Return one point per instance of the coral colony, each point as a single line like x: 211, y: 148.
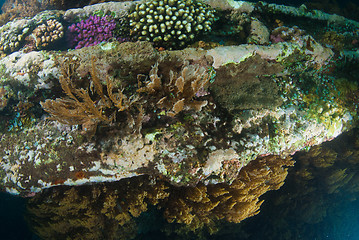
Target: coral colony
x: 91, y: 31
x: 171, y: 23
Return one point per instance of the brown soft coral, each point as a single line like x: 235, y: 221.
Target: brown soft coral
x: 201, y: 205
x: 107, y: 210
x: 179, y: 92
x: 333, y: 40
x: 86, y: 107
x: 103, y: 211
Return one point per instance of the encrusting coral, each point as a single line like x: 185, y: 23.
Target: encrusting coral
x: 286, y: 34
x: 10, y: 41
x: 80, y: 212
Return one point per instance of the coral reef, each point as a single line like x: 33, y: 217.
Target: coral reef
x: 188, y: 146
x: 200, y: 133
x: 169, y: 23
x: 189, y: 116
x: 91, y: 31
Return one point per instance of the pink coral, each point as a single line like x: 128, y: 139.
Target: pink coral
x: 91, y: 31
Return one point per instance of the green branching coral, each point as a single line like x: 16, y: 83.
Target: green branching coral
x: 170, y: 23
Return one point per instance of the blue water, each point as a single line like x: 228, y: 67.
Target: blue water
x: 12, y: 223
x: 1, y: 3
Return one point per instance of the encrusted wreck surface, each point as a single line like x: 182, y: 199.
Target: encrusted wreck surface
x: 199, y: 114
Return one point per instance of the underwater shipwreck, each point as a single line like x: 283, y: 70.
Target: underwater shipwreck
x: 194, y: 108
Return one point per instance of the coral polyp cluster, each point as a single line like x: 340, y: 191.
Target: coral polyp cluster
x: 10, y: 41
x: 92, y: 31
x: 170, y: 23
x: 48, y: 33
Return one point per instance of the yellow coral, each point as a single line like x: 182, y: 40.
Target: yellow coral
x: 232, y: 202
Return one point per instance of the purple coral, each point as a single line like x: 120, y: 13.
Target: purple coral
x: 91, y: 31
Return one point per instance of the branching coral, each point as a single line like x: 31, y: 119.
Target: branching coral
x: 87, y: 107
x: 92, y: 31
x: 180, y: 92
x: 170, y: 23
